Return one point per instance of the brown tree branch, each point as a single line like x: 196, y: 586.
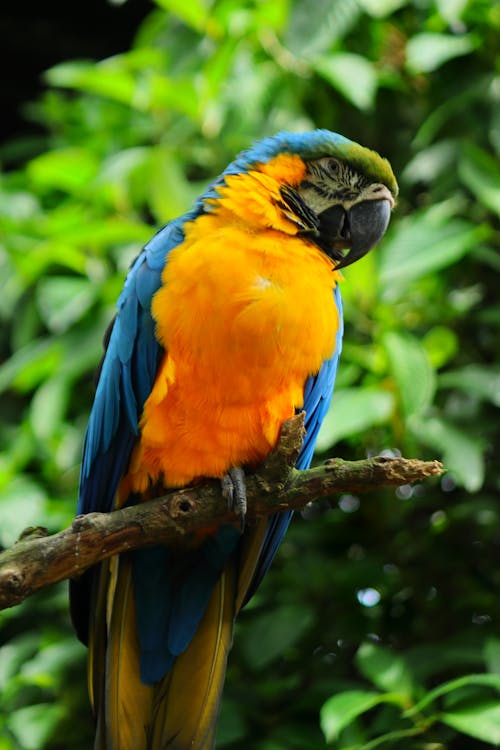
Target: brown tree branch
x: 39, y: 560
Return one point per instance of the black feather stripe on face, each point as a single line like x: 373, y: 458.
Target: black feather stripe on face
x: 306, y: 218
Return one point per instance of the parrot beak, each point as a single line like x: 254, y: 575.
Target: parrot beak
x: 357, y: 230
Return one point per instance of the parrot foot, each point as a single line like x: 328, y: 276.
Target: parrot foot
x: 235, y: 492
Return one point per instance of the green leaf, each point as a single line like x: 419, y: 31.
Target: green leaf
x: 63, y: 300
x: 462, y: 452
x: 315, y: 25
x: 352, y: 75
x: 368, y: 356
x: 19, y: 205
x: 118, y: 168
x: 180, y: 94
x: 231, y: 726
x: 47, y: 666
x: 272, y: 15
x: 421, y: 244
x: 14, y: 654
x: 476, y: 380
x: 22, y: 504
x: 52, y: 252
x: 359, y: 291
x: 135, y: 79
x: 33, y: 725
x: 82, y: 348
x: 101, y: 234
x: 481, y: 721
x: 384, y: 741
x: 382, y: 8
x: 48, y: 407
x: 354, y: 410
x: 272, y: 633
x: 451, y: 10
x: 412, y: 371
x: 69, y: 169
x: 386, y: 669
x: 430, y: 164
x: 480, y: 172
x: 452, y: 107
x: 194, y: 13
x: 166, y: 171
x: 426, y: 52
x: 341, y: 709
x: 484, y: 680
x: 29, y: 365
x: 492, y: 655
x: 441, y: 345
x: 106, y: 80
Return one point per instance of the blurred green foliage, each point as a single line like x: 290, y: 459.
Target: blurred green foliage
x: 378, y: 626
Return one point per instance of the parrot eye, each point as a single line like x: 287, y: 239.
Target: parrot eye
x: 334, y: 167
x: 327, y: 168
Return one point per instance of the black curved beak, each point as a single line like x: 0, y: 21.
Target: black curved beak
x: 357, y: 230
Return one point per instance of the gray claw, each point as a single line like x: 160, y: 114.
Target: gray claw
x: 234, y: 490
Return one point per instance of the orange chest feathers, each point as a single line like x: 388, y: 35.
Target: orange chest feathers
x: 245, y: 316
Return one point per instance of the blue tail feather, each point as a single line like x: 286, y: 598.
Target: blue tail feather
x: 171, y: 596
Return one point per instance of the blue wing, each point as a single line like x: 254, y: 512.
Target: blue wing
x: 127, y: 375
x: 318, y: 394
x: 125, y: 381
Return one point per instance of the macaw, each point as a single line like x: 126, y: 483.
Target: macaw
x: 230, y: 321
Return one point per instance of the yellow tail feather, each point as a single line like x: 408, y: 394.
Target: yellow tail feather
x: 187, y: 701
x: 250, y: 549
x: 181, y: 711
x: 124, y: 702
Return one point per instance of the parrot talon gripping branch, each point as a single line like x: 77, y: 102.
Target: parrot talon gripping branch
x: 234, y: 490
x: 229, y: 323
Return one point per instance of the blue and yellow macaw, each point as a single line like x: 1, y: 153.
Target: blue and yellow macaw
x: 229, y: 322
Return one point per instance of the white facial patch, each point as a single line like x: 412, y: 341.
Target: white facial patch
x: 330, y: 181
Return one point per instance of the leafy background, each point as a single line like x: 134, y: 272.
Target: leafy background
x: 378, y: 626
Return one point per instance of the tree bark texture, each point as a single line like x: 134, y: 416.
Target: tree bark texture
x: 38, y: 560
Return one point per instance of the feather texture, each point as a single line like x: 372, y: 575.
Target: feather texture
x: 230, y: 321
x: 124, y: 707
x: 197, y: 678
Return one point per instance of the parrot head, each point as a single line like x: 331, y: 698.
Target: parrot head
x: 352, y: 210
x: 344, y: 199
